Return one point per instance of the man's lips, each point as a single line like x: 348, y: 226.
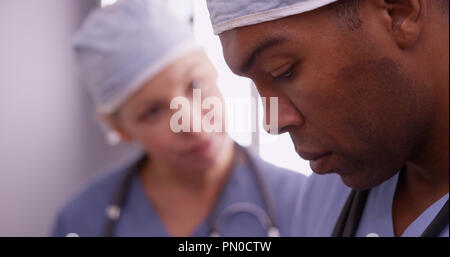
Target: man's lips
x: 320, y: 162
x: 313, y: 156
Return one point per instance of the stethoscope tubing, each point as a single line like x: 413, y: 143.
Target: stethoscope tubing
x: 113, y: 211
x: 349, y: 219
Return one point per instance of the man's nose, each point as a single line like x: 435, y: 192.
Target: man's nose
x: 281, y: 111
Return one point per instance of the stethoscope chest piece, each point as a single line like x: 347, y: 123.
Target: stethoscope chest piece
x: 113, y: 212
x: 273, y: 232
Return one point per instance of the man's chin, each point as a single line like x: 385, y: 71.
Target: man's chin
x: 355, y: 181
x: 359, y: 181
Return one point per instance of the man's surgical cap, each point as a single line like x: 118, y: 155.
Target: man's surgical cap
x: 230, y: 14
x: 122, y: 46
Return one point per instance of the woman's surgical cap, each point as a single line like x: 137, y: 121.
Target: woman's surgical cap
x: 122, y: 46
x: 227, y: 15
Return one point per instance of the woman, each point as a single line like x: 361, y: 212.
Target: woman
x: 136, y: 57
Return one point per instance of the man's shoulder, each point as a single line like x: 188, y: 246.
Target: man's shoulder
x: 320, y: 203
x: 325, y: 186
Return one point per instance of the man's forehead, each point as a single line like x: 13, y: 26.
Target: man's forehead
x: 242, y: 46
x: 239, y: 44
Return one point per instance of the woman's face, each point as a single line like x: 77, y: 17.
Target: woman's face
x: 146, y: 116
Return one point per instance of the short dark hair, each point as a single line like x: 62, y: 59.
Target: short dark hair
x: 348, y: 10
x: 443, y: 4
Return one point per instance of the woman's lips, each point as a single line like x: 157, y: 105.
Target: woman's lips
x: 200, y: 148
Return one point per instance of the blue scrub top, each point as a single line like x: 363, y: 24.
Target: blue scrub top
x: 323, y: 197
x: 85, y: 213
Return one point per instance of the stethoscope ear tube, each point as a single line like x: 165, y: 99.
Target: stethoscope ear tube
x: 114, y: 210
x: 268, y: 201
x: 248, y: 208
x: 266, y: 219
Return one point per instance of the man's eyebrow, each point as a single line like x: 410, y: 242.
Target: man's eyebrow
x: 260, y: 48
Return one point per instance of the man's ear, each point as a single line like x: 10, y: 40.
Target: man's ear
x: 406, y: 20
x: 116, y: 128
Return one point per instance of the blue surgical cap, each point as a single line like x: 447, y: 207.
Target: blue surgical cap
x: 122, y: 46
x: 230, y: 14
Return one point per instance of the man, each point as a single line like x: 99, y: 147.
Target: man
x: 363, y: 89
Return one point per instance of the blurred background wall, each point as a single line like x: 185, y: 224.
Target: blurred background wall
x: 49, y: 142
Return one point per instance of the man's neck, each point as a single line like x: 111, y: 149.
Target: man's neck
x: 425, y: 179
x: 430, y: 168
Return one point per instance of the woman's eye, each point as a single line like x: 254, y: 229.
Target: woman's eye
x: 152, y: 112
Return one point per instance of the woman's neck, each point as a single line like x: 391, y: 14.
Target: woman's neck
x: 183, y: 198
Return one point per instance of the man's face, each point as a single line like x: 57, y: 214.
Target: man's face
x: 349, y: 99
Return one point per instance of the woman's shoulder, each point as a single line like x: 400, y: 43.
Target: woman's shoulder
x: 284, y: 186
x: 97, y: 189
x: 85, y: 210
x: 277, y: 176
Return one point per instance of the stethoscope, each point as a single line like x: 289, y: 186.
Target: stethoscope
x: 350, y: 216
x: 216, y: 219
